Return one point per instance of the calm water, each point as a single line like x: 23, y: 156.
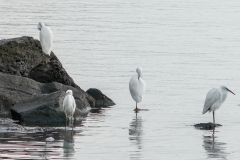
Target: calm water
x: 185, y: 48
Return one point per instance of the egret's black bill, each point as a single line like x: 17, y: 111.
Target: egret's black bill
x: 230, y: 91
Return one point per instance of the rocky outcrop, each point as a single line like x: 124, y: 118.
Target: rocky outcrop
x: 24, y: 57
x: 33, y: 84
x: 101, y: 100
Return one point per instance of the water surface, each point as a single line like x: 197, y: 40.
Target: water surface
x: 185, y: 48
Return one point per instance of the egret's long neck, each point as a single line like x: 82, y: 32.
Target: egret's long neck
x: 224, y: 95
x: 140, y: 75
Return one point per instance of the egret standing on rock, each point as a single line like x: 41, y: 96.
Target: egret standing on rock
x: 69, y: 105
x: 137, y: 87
x: 215, y: 99
x: 46, y: 38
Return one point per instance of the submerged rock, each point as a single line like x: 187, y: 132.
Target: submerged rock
x: 206, y: 126
x: 101, y: 100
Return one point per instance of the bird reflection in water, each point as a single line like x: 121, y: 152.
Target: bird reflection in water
x: 135, y: 133
x: 68, y: 144
x: 214, y: 148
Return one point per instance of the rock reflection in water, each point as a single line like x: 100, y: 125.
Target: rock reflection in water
x: 214, y: 148
x: 135, y: 133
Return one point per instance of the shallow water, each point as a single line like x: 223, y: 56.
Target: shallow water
x: 185, y: 48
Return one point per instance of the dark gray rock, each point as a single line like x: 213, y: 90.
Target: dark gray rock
x: 206, y: 126
x: 19, y: 55
x: 40, y: 109
x: 15, y: 89
x: 101, y: 100
x: 24, y: 57
x: 32, y: 84
x: 36, y: 102
x: 51, y: 71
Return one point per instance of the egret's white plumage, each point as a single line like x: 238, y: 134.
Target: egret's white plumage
x: 46, y: 38
x: 137, y: 86
x: 69, y: 105
x: 215, y: 99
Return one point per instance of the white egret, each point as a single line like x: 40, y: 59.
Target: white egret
x: 137, y: 87
x: 69, y: 105
x: 46, y: 38
x: 215, y: 99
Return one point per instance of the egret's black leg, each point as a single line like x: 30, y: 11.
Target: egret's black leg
x: 213, y: 118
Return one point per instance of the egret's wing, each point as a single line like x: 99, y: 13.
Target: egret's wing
x: 212, y: 96
x: 132, y: 84
x: 133, y: 87
x: 64, y: 102
x: 74, y: 104
x: 137, y: 88
x: 142, y: 86
x: 46, y: 38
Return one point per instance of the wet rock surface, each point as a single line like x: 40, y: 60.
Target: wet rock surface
x: 101, y: 100
x: 206, y: 126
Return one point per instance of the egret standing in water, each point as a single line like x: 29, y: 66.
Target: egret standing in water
x: 69, y: 105
x: 137, y: 87
x: 46, y: 38
x: 215, y: 99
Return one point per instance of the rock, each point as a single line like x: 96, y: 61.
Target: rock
x: 37, y: 102
x: 19, y: 55
x: 206, y: 126
x: 32, y: 83
x: 24, y: 57
x: 51, y: 72
x: 101, y: 100
x: 40, y: 109
x: 15, y: 89
x: 90, y: 100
